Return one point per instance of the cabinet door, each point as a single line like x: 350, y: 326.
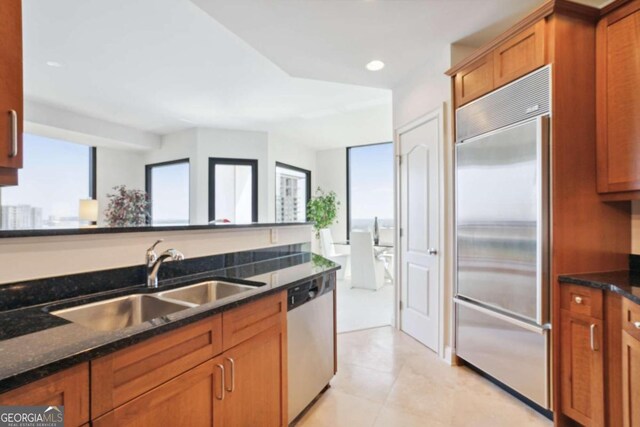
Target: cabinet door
x: 519, y: 55
x: 618, y: 100
x: 190, y: 399
x: 474, y: 81
x: 630, y: 380
x: 68, y: 388
x: 256, y: 379
x: 10, y: 86
x: 582, y: 367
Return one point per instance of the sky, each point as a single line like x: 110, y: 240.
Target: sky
x: 371, y: 181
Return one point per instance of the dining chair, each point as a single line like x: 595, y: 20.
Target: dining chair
x: 367, y: 271
x: 329, y: 252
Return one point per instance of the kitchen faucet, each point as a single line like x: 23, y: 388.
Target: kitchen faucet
x: 154, y: 261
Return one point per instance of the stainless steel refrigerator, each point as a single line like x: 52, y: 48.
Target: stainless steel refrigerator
x: 502, y: 239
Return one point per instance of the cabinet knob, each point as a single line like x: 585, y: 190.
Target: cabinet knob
x: 578, y: 300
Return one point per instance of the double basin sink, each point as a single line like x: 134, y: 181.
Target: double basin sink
x: 131, y: 310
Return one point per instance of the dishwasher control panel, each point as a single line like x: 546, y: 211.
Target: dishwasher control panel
x: 307, y: 291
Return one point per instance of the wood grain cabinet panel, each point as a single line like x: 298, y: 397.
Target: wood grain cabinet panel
x: 582, y: 368
x: 68, y: 388
x: 190, y: 399
x: 474, y: 81
x: 519, y: 55
x: 128, y: 373
x: 618, y: 100
x: 630, y: 380
x: 11, y: 97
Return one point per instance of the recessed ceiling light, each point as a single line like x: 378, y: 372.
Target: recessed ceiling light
x: 54, y: 64
x: 375, y: 65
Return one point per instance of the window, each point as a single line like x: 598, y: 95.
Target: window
x: 293, y: 190
x: 233, y: 190
x: 167, y: 185
x: 56, y: 176
x: 370, y: 186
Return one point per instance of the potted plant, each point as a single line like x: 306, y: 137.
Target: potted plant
x: 127, y: 208
x: 322, y: 210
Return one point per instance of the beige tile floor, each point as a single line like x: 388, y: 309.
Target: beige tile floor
x: 385, y: 378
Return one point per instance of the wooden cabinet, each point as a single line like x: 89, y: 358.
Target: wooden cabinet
x: 630, y: 364
x: 69, y: 388
x: 11, y: 97
x: 519, y: 55
x: 474, y: 80
x: 190, y: 399
x: 582, y: 355
x: 514, y: 57
x: 618, y: 101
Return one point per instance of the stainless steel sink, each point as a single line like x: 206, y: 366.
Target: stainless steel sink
x: 119, y: 313
x: 205, y: 292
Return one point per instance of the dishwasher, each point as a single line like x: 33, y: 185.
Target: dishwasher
x: 311, y: 341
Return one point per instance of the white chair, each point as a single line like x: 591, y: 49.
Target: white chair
x: 387, y: 235
x: 367, y: 272
x: 329, y: 252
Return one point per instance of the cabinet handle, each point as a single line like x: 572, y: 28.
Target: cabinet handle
x: 578, y: 300
x: 222, y: 386
x: 233, y: 374
x: 593, y: 337
x: 14, y: 133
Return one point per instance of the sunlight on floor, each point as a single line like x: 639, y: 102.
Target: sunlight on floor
x: 363, y: 308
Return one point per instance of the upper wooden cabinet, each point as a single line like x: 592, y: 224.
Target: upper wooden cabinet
x: 11, y: 98
x: 519, y: 55
x: 618, y: 101
x: 512, y: 58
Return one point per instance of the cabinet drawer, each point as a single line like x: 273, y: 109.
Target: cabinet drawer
x: 474, y: 81
x: 631, y: 318
x: 126, y: 374
x: 244, y: 322
x: 519, y: 55
x: 581, y: 300
x: 69, y: 388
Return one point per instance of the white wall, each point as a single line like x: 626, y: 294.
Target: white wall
x: 332, y: 176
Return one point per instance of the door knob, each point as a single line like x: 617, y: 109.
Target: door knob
x: 432, y: 251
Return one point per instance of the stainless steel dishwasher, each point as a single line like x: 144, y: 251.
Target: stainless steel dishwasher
x: 311, y: 342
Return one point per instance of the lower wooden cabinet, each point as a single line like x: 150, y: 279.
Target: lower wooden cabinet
x: 582, y: 367
x: 190, y: 399
x: 630, y: 380
x: 68, y: 388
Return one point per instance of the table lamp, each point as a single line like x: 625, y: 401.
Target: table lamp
x: 89, y: 211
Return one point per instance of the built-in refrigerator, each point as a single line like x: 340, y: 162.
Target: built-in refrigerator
x: 502, y: 237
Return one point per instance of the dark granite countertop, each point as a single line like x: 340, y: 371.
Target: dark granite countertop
x: 623, y: 282
x: 34, y: 343
x: 111, y: 230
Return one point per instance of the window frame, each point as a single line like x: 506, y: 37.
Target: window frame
x: 348, y: 221
x: 308, y: 186
x: 253, y: 163
x: 148, y: 183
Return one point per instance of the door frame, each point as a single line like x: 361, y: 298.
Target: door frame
x: 437, y: 114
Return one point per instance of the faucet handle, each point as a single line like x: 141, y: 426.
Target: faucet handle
x: 151, y: 253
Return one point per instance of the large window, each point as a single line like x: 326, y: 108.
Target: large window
x: 56, y: 176
x: 370, y: 186
x: 168, y: 189
x: 293, y: 190
x: 233, y: 190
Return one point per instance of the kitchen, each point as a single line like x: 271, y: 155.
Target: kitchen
x: 537, y: 286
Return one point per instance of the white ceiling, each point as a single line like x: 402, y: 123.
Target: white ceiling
x: 166, y: 65
x: 152, y: 64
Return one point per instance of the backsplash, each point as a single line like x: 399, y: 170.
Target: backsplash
x: 33, y: 292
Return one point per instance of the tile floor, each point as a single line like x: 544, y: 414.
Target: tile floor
x: 363, y: 308
x: 385, y: 378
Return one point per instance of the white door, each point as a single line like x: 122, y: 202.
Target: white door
x: 419, y: 222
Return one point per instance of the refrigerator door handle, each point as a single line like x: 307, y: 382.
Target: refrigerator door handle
x: 540, y: 329
x: 542, y: 267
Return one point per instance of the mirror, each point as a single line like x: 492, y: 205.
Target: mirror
x: 154, y: 113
